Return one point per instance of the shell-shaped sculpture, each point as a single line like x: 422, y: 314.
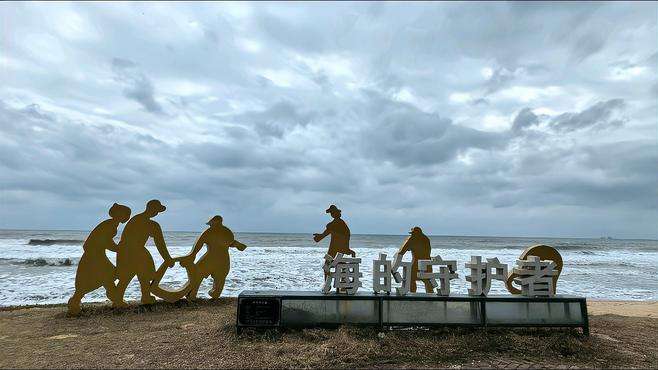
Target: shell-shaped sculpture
x: 544, y: 252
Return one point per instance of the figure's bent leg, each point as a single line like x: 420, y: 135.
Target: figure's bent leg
x: 412, y: 286
x: 75, y: 303
x: 111, y: 292
x: 198, y: 276
x: 145, y: 274
x: 194, y: 286
x: 218, y: 281
x: 124, y: 280
x: 414, y: 277
x: 145, y: 286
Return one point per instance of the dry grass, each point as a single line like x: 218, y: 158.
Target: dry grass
x: 203, y: 335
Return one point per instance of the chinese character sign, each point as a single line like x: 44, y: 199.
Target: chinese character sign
x: 343, y: 272
x: 481, y: 274
x: 381, y: 274
x: 447, y: 271
x: 535, y: 277
x: 383, y: 271
x: 403, y: 278
x: 545, y: 253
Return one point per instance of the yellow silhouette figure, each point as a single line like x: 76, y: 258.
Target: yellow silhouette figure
x: 216, y: 261
x: 544, y: 252
x: 420, y: 247
x: 340, y: 234
x: 133, y: 258
x: 95, y: 269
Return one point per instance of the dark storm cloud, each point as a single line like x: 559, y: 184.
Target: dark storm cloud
x: 525, y: 118
x: 401, y: 113
x: 601, y: 114
x: 137, y: 86
x: 404, y: 135
x: 273, y: 121
x: 47, y: 146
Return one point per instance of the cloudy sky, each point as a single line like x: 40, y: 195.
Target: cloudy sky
x: 509, y: 119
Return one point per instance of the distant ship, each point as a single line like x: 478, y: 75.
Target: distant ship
x: 607, y: 238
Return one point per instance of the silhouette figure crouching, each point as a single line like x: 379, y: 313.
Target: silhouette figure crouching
x: 95, y: 269
x: 216, y: 261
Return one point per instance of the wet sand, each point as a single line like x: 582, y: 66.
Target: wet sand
x: 202, y: 334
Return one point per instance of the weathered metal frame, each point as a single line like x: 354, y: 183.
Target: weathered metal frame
x: 280, y: 296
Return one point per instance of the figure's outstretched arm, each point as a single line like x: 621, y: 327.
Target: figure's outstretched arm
x: 237, y: 244
x: 111, y: 245
x: 197, y: 246
x: 159, y: 241
x: 318, y: 237
x: 405, y: 247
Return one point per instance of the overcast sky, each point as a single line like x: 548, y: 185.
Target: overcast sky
x: 512, y: 119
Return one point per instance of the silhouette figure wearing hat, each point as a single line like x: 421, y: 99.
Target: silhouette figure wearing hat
x: 340, y: 234
x: 133, y: 258
x: 419, y: 245
x: 216, y: 261
x: 95, y: 269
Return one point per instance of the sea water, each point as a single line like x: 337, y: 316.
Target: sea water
x: 38, y: 267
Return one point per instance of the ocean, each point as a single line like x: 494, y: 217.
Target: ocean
x: 38, y: 267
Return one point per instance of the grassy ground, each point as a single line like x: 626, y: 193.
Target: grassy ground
x: 203, y: 335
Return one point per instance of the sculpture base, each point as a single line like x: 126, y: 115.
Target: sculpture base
x: 301, y: 309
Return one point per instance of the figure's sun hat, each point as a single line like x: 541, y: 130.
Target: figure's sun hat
x: 119, y: 211
x: 217, y: 219
x: 416, y: 230
x: 332, y: 208
x: 155, y: 205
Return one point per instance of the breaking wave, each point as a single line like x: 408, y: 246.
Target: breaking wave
x: 55, y: 242
x: 40, y: 262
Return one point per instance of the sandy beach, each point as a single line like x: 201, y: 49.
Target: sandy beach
x: 623, y: 308
x: 202, y: 334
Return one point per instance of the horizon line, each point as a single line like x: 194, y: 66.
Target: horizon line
x: 368, y: 234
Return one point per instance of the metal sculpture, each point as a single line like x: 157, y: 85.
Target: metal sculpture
x: 343, y: 272
x: 215, y: 262
x: 543, y: 252
x: 535, y: 277
x: 95, y: 269
x: 420, y: 247
x: 340, y: 234
x: 133, y: 259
